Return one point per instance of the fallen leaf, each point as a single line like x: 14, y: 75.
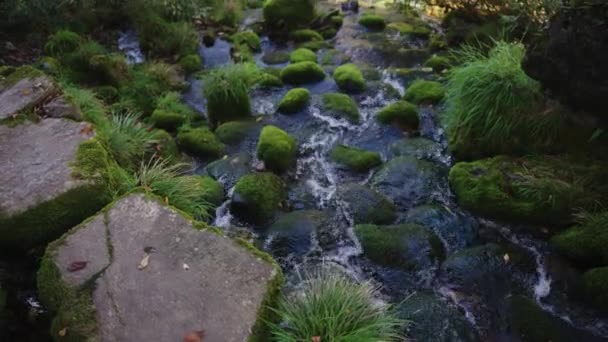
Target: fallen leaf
x: 144, y: 262
x: 63, y: 332
x: 259, y: 118
x: 77, y: 266
x: 195, y: 336
x: 506, y: 258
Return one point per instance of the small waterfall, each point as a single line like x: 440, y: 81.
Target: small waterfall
x: 223, y: 217
x: 129, y: 44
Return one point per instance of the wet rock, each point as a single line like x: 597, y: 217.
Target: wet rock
x: 366, y: 205
x: 349, y: 78
x: 277, y: 149
x: 352, y: 6
x: 294, y: 101
x: 420, y: 148
x: 292, y: 233
x: 302, y: 73
x: 40, y: 198
x: 257, y: 196
x: 407, y: 246
x: 341, y: 106
x: 585, y: 243
x: 408, y: 181
x: 434, y: 319
x: 355, y: 159
x: 456, y: 230
x: 229, y: 170
x: 161, y: 264
x: 400, y: 113
x: 24, y: 94
x: 59, y: 107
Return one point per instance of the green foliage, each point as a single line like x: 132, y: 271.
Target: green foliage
x: 171, y: 102
x: 169, y: 121
x: 234, y: 132
x: 277, y: 149
x: 491, y: 101
x: 342, y: 105
x: 91, y: 108
x: 191, y: 63
x: 267, y: 80
x: 596, y: 287
x: 79, y: 61
x: 334, y: 308
x: 372, y: 22
x: 302, y: 73
x: 129, y: 141
x: 356, y: 159
x: 62, y: 42
x: 294, y: 101
x: 111, y: 68
x: 585, y: 243
x: 402, y: 113
x: 349, y: 78
x: 288, y: 14
x: 305, y: 35
x: 303, y: 55
x: 438, y: 63
x: 276, y: 57
x: 419, y: 30
x: 257, y: 196
x: 314, y: 45
x: 249, y: 39
x: 228, y: 12
x: 200, y: 142
x: 227, y: 92
x: 424, y: 92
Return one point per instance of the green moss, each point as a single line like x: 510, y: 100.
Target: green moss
x: 301, y: 73
x: 424, y: 92
x: 337, y: 21
x: 107, y: 94
x: 314, y: 45
x: 329, y: 33
x: 267, y: 80
x: 294, y: 101
x: 49, y: 65
x: 276, y: 57
x: 288, y: 14
x: 437, y: 42
x: 399, y: 245
x: 402, y: 113
x: 418, y: 30
x: 257, y: 196
x: 529, y: 322
x: 234, y: 132
x: 342, y: 105
x: 79, y: 60
x: 305, y: 35
x: 112, y: 68
x: 372, y: 22
x: 303, y: 55
x: 334, y: 57
x: 354, y: 158
x: 200, y: 142
x: 227, y: 93
x: 211, y: 191
x: 367, y: 205
x: 62, y: 42
x: 596, y: 287
x: 23, y: 72
x: 438, y: 63
x: 165, y: 146
x: 166, y: 120
x: 349, y: 78
x: 277, y: 149
x: 587, y: 242
x: 248, y: 38
x: 172, y: 102
x: 191, y: 63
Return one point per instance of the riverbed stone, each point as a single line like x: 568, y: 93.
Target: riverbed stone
x: 40, y: 198
x: 167, y: 277
x: 257, y: 196
x: 418, y: 147
x: 59, y: 107
x: 292, y: 233
x: 367, y: 205
x: 230, y: 169
x: 24, y: 94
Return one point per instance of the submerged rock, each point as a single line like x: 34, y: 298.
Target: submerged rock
x: 23, y: 90
x: 140, y: 271
x: 354, y: 158
x: 366, y: 205
x: 229, y: 170
x: 418, y: 147
x: 292, y: 233
x: 458, y: 231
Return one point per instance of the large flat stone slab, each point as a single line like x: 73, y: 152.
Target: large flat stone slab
x: 24, y: 94
x: 154, y: 276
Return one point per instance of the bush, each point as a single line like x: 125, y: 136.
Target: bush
x: 200, y: 142
x: 288, y: 14
x: 302, y: 73
x: 356, y: 159
x: 341, y: 105
x: 490, y: 102
x: 305, y: 35
x: 585, y: 243
x: 303, y: 55
x: 402, y: 113
x: 277, y: 149
x: 249, y: 39
x: 227, y: 92
x: 191, y: 63
x: 349, y: 78
x: 294, y: 101
x: 424, y: 92
x: 372, y: 22
x: 333, y: 308
x: 62, y: 42
x: 79, y: 60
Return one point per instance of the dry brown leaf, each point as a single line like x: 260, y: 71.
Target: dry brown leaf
x: 63, y: 332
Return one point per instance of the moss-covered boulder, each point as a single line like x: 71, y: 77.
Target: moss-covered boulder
x: 268, y: 80
x: 305, y: 35
x: 367, y: 205
x: 400, y: 113
x: 288, y: 14
x: 294, y: 101
x: 596, y: 287
x: 200, y: 142
x: 334, y: 57
x: 406, y: 246
x: 529, y: 190
x: 191, y: 63
x: 303, y: 55
x: 314, y: 45
x: 86, y: 279
x: 438, y: 63
x: 276, y: 57
x: 349, y: 78
x: 233, y: 132
x: 424, y: 92
x: 587, y: 242
x: 292, y: 234
x: 355, y: 159
x: 277, y: 149
x: 372, y: 22
x: 249, y: 39
x: 165, y: 146
x: 302, y: 73
x: 341, y: 106
x: 167, y: 120
x: 257, y: 196
x: 417, y: 29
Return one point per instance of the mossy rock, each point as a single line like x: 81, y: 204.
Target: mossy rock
x: 334, y: 57
x: 294, y: 101
x: 257, y: 196
x: 288, y: 14
x: 113, y: 68
x: 367, y: 205
x: 438, y: 63
x: 305, y: 35
x: 415, y: 30
x: 277, y: 149
x: 372, y: 22
x: 401, y: 113
x: 314, y: 45
x: 62, y: 42
x: 424, y: 92
x: 406, y: 246
x: 267, y: 80
x: 587, y: 242
x: 337, y: 21
x: 229, y: 107
x: 166, y: 120
x: 303, y: 55
x: 211, y: 191
x: 200, y: 142
x: 349, y: 78
x: 292, y: 233
x: 355, y: 159
x: 249, y: 39
x: 191, y: 63
x: 526, y: 190
x: 49, y: 65
x: 166, y: 146
x: 302, y: 73
x: 437, y: 42
x: 596, y: 287
x: 329, y: 33
x: 276, y: 57
x: 342, y: 106
x: 234, y: 132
